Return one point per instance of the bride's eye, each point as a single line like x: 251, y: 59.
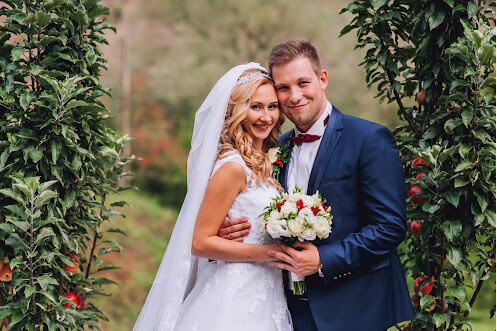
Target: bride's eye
x: 255, y: 107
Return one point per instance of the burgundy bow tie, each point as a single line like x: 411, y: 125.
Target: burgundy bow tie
x: 304, y: 138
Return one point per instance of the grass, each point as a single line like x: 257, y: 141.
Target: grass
x: 148, y: 226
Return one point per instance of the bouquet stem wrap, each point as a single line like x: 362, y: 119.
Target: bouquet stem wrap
x: 297, y: 284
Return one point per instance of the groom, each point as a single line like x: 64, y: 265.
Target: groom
x: 354, y: 277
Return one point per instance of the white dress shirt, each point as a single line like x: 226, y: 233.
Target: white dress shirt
x: 303, y: 155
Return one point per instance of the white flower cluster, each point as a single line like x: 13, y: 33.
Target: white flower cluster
x: 273, y: 154
x: 298, y: 215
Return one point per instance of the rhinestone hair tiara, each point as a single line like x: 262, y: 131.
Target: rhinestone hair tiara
x: 252, y: 75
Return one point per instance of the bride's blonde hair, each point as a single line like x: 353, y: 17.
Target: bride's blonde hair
x: 235, y: 138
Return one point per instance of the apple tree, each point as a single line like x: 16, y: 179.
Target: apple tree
x: 435, y: 60
x: 59, y: 162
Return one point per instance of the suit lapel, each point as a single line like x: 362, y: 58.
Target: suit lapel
x: 330, y: 139
x: 284, y: 170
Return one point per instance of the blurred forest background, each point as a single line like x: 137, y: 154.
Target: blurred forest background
x: 163, y: 61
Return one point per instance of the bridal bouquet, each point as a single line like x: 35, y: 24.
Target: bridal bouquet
x: 297, y: 216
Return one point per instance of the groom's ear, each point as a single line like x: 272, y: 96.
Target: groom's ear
x: 323, y: 79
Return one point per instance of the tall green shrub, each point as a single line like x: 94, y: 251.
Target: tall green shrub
x: 436, y: 61
x: 58, y: 164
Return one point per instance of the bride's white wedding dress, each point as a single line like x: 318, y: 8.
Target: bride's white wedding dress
x: 239, y: 296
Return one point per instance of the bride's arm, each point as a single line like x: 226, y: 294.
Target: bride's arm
x: 220, y: 194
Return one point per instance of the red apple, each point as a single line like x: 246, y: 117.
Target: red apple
x: 78, y: 302
x: 416, y: 228
x: 6, y: 273
x: 76, y: 265
x: 425, y: 290
x: 418, y: 161
x: 416, y: 200
x: 418, y: 176
x: 421, y: 97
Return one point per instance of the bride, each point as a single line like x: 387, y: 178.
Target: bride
x: 229, y: 176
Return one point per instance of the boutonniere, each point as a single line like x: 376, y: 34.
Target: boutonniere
x: 278, y: 156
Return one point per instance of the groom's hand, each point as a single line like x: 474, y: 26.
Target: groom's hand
x: 234, y: 229
x: 302, y: 262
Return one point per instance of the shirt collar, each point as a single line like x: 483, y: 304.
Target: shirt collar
x: 318, y: 127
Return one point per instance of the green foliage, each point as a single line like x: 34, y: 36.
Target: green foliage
x: 443, y: 53
x: 58, y: 162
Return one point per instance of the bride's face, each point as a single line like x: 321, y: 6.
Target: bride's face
x: 263, y: 114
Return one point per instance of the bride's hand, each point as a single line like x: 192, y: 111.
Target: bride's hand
x: 275, y: 248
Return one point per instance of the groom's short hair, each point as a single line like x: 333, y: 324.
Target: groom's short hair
x: 290, y: 50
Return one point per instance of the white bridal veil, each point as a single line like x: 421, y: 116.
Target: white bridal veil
x: 178, y: 269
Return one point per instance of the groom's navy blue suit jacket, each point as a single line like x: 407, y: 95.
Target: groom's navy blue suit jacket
x: 358, y: 170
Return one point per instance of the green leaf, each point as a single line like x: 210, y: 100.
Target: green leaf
x: 45, y: 232
x: 56, y: 146
x: 109, y: 267
x: 455, y: 256
x: 490, y: 216
x: 460, y: 182
x: 44, y: 198
x: 15, y: 262
x: 28, y: 290
x: 464, y: 165
x: 25, y: 99
x: 486, y: 53
x: 45, y: 281
x: 4, y: 312
x: 4, y: 157
x: 346, y: 30
x: 430, y: 208
x: 436, y: 18
x: 107, y: 151
x: 70, y: 197
x: 472, y: 9
x: 450, y: 3
x: 451, y: 124
x: 36, y: 153
x: 467, y: 117
x: 459, y: 292
x: 28, y: 134
x: 452, y: 229
x: 16, y: 53
x: 75, y: 103
x: 482, y: 200
x: 378, y: 3
x: 453, y: 196
x: 439, y: 319
x: 12, y: 194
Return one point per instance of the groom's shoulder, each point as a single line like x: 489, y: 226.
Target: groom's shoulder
x: 360, y: 125
x: 281, y: 139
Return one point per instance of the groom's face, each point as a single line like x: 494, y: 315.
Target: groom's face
x: 300, y: 92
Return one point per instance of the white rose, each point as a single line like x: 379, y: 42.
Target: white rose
x: 322, y: 227
x: 272, y: 229
x: 288, y: 208
x: 275, y: 215
x: 296, y: 226
x: 307, y: 234
x: 272, y: 153
x: 283, y: 229
x: 307, y: 215
x: 308, y: 201
x: 294, y: 197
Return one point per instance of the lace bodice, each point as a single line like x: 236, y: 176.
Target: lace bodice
x: 251, y: 202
